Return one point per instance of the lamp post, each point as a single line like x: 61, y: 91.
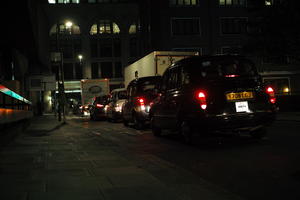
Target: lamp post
x: 61, y: 85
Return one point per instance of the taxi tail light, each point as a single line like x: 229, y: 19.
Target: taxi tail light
x: 99, y: 105
x: 141, y: 101
x: 201, y: 97
x: 271, y: 93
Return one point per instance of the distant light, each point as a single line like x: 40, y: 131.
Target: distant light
x: 80, y: 57
x: 286, y: 89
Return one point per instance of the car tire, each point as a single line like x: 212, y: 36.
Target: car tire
x: 259, y: 134
x: 155, y: 130
x: 92, y: 117
x: 125, y: 122
x: 186, y: 132
x: 137, y: 123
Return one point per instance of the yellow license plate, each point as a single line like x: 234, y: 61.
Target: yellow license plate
x: 239, y: 96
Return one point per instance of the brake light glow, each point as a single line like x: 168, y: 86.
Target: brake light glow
x: 141, y: 102
x: 231, y: 75
x: 271, y: 93
x: 201, y: 97
x: 99, y: 105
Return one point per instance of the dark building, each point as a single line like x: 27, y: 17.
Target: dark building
x: 18, y: 53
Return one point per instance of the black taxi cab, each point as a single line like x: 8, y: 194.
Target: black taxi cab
x: 209, y: 94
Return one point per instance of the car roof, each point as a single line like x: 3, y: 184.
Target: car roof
x: 208, y: 57
x: 118, y: 90
x: 143, y: 79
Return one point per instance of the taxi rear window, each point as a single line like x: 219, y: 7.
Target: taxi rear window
x: 223, y: 68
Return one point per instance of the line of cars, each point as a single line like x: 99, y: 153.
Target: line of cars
x: 108, y: 106
x: 203, y: 95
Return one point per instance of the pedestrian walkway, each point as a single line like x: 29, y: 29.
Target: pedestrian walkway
x: 59, y: 161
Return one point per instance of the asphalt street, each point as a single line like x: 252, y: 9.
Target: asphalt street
x: 89, y: 160
x: 252, y: 169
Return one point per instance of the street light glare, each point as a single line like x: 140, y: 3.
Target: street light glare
x: 80, y: 57
x: 69, y: 24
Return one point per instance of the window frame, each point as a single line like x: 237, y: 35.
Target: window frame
x: 232, y: 4
x: 185, y: 18
x: 177, y: 3
x: 232, y: 33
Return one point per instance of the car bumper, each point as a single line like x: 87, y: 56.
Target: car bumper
x: 234, y: 122
x: 116, y: 115
x: 142, y: 116
x: 99, y: 114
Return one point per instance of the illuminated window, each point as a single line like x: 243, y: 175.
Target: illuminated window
x: 63, y: 1
x: 184, y: 2
x: 104, y: 27
x: 65, y: 30
x: 51, y: 1
x: 268, y: 2
x: 116, y: 28
x: 185, y: 26
x: 232, y: 2
x: 232, y: 25
x: 132, y: 29
x: 93, y: 30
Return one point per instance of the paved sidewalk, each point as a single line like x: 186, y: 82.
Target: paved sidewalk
x: 61, y: 162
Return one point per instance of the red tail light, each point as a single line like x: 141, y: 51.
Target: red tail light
x: 271, y: 93
x: 141, y: 101
x: 201, y: 97
x: 99, y: 105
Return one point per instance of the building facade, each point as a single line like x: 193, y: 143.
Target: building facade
x: 98, y: 38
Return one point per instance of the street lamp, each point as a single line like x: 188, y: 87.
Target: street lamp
x: 61, y: 87
x: 80, y: 57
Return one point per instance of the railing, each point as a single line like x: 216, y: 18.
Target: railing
x: 13, y: 107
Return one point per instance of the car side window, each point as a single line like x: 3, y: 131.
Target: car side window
x: 174, y: 78
x: 115, y: 96
x: 164, y: 82
x: 185, y: 77
x: 129, y: 91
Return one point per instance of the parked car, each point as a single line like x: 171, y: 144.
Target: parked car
x: 213, y: 94
x: 85, y: 109
x: 97, y: 109
x: 140, y: 93
x: 116, y: 101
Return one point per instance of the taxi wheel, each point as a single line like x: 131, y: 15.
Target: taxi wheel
x: 186, y: 132
x: 137, y: 123
x: 92, y: 117
x: 155, y: 130
x: 125, y: 122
